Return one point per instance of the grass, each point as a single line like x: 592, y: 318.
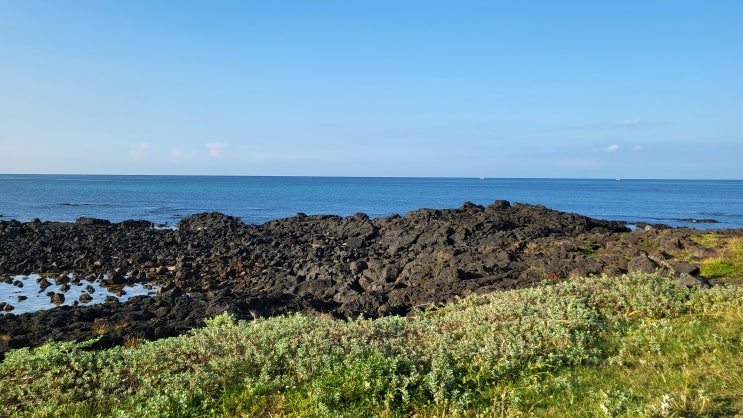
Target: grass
x: 685, y: 366
x: 631, y: 346
x: 728, y: 263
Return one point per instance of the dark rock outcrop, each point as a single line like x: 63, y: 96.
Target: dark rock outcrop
x: 324, y: 264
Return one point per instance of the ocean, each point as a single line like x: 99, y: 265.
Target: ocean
x: 165, y: 200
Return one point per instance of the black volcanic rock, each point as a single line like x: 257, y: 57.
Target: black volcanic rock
x: 315, y: 264
x: 212, y: 220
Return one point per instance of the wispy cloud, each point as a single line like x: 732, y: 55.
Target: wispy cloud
x: 627, y: 123
x: 611, y: 148
x: 631, y: 122
x: 140, y: 150
x: 637, y: 148
x: 215, y: 148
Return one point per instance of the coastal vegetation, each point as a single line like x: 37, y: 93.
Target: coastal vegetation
x: 727, y: 261
x: 636, y: 345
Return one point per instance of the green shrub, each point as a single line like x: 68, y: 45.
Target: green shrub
x: 520, y: 352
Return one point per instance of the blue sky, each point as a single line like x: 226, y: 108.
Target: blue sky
x: 588, y: 89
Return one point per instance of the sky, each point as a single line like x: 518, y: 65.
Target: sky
x: 464, y: 88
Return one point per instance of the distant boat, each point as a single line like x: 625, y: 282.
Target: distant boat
x: 482, y: 178
x: 619, y: 179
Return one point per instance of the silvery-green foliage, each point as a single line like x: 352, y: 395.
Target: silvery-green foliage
x: 442, y: 357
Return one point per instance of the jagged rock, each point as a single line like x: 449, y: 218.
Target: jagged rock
x: 92, y: 221
x: 117, y: 277
x: 642, y: 264
x: 133, y: 224
x: 213, y: 220
x: 43, y: 283
x: 687, y: 280
x: 680, y: 268
x: 323, y: 264
x: 57, y: 298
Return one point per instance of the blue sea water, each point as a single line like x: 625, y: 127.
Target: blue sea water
x: 167, y: 199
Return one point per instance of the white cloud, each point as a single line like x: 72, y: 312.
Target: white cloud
x: 611, y: 148
x: 637, y: 148
x: 140, y: 150
x: 215, y: 148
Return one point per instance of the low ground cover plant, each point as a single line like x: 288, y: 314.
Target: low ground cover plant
x: 631, y: 346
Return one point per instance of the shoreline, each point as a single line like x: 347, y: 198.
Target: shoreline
x: 260, y: 200
x: 320, y: 264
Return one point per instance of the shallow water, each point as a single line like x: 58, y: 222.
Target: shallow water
x: 38, y: 299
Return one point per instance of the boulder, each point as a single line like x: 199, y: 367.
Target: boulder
x: 687, y: 280
x: 43, y: 283
x: 136, y: 224
x: 57, y: 298
x: 642, y: 264
x: 680, y: 268
x: 92, y: 221
x: 211, y: 220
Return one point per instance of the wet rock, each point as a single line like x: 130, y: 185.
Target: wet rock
x: 213, y: 220
x: 695, y: 220
x: 136, y: 224
x: 92, y: 221
x: 85, y: 298
x: 651, y: 227
x: 117, y: 277
x: 43, y: 283
x: 61, y: 279
x: 21, y: 298
x: 57, y: 298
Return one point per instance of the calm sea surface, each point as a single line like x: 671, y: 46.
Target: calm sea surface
x: 167, y: 199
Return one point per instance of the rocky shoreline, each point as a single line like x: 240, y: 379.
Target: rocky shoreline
x: 328, y: 265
